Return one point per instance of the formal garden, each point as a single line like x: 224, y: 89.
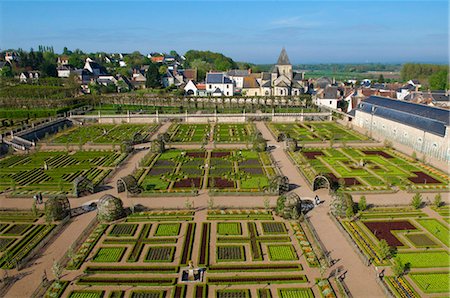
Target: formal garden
x: 219, y: 133
x: 181, y: 171
x: 316, y: 132
x: 20, y: 233
x: 146, y: 253
x: 54, y: 172
x: 114, y: 134
x: 368, y: 169
x: 413, y: 245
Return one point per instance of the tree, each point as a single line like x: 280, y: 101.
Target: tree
x: 162, y: 69
x: 381, y: 78
x: 362, y: 204
x: 439, y: 80
x: 384, y: 251
x: 398, y: 267
x: 416, y: 201
x: 34, y: 209
x: 438, y: 200
x: 57, y: 270
x: 153, y: 77
x: 266, y: 203
x: 349, y: 212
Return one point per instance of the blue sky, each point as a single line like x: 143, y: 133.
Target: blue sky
x: 254, y: 31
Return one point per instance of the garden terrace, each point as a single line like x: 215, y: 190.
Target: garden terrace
x: 54, y: 172
x: 178, y: 171
x: 105, y: 134
x: 20, y: 233
x: 419, y: 241
x: 366, y: 170
x: 316, y: 132
x: 189, y: 133
x: 234, y: 133
x: 148, y: 255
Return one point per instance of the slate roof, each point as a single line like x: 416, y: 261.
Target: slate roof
x: 283, y: 59
x: 430, y: 119
x: 265, y: 76
x: 217, y: 78
x: 238, y: 73
x: 298, y: 76
x: 331, y: 92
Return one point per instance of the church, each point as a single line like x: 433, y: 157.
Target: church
x: 280, y: 81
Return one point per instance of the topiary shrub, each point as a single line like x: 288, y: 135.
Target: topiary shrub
x: 109, y: 208
x: 57, y: 208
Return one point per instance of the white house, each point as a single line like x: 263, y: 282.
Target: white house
x: 29, y: 76
x: 328, y: 97
x: 218, y: 84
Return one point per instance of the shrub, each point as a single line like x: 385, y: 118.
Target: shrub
x: 438, y: 200
x: 362, y: 204
x: 416, y: 201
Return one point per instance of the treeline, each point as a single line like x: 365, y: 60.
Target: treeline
x: 44, y: 60
x: 205, y: 61
x: 433, y: 76
x: 357, y: 68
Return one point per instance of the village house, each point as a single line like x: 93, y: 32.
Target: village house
x: 29, y: 76
x: 218, y: 84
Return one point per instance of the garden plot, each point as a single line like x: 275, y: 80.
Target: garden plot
x: 234, y: 133
x: 53, y: 172
x: 240, y: 170
x: 189, y: 133
x: 369, y: 169
x: 316, y: 132
x: 239, y: 253
x: 105, y: 134
x: 178, y: 171
x: 20, y: 232
x: 418, y: 241
x: 172, y: 171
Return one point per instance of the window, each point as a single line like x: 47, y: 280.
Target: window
x: 331, y: 102
x: 210, y: 86
x: 419, y: 140
x: 435, y: 145
x: 228, y: 93
x: 281, y: 92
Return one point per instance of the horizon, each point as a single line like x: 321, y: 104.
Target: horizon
x: 325, y: 32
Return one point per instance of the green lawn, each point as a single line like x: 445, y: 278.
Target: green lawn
x: 437, y: 229
x: 426, y: 259
x: 432, y: 282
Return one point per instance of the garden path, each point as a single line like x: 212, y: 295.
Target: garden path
x: 54, y: 250
x: 328, y: 233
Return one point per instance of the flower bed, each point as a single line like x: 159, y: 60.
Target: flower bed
x: 305, y: 245
x: 326, y: 290
x: 86, y: 247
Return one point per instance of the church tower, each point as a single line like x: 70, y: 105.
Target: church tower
x: 283, y: 65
